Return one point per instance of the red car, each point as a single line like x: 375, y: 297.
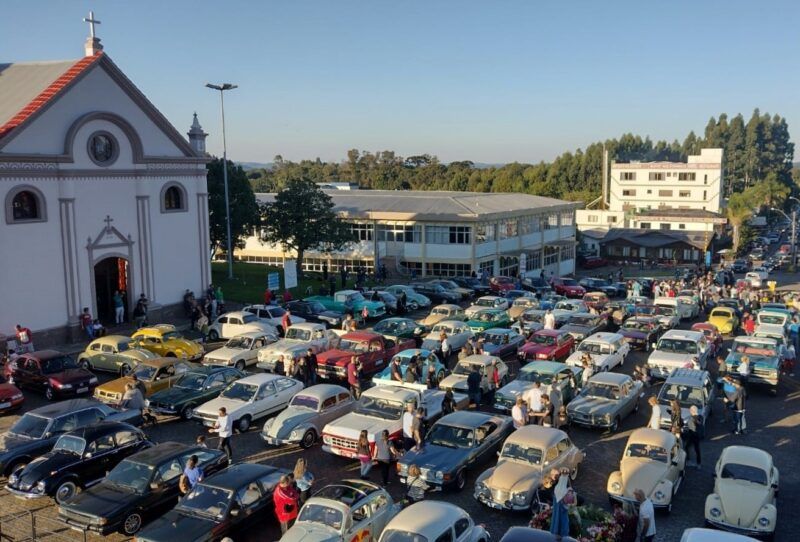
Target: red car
x: 548, y: 344
x: 373, y: 350
x: 11, y: 397
x: 713, y: 336
x: 593, y: 262
x: 501, y: 284
x: 567, y: 287
x: 54, y: 373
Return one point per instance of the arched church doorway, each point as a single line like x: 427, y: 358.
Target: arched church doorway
x: 110, y: 276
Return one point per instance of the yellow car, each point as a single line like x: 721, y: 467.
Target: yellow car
x: 725, y: 319
x: 156, y: 375
x: 165, y: 340
x: 113, y: 353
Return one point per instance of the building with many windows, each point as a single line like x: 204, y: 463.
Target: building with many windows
x: 442, y: 233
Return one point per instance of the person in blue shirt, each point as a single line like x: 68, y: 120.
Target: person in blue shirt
x: 191, y: 475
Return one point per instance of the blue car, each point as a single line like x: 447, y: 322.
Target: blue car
x: 428, y: 356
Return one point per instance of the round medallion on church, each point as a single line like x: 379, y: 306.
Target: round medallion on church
x: 103, y: 148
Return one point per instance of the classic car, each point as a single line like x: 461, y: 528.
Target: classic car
x: 166, y: 340
x: 488, y: 319
x: 765, y: 360
x: 79, y: 459
x: 520, y: 305
x: 487, y: 302
x: 36, y: 431
x: 571, y: 305
x: 606, y: 350
x: 54, y: 373
x: 11, y: 398
x: 403, y: 328
x: 426, y: 357
x: 667, y: 316
x: 350, y: 301
x: 451, y: 286
x: 155, y: 374
x: 315, y: 312
x: 372, y: 350
x: 113, y: 353
x: 544, y: 372
x: 605, y: 400
x: 724, y: 319
x: 249, y: 399
x: 691, y: 387
x: 773, y: 317
x: 434, y: 520
x: 689, y: 307
x: 414, y: 299
x: 537, y: 285
x: 226, y: 502
x: 745, y: 487
x: 533, y: 320
x: 698, y: 534
x: 598, y: 285
x: 240, y: 351
x: 528, y: 454
x: 619, y: 312
x: 678, y: 349
x: 548, y: 344
x: 458, y: 442
x: 436, y: 293
x: 529, y: 534
x: 641, y: 331
x: 754, y: 279
x: 350, y: 510
x: 475, y: 283
x: 596, y: 300
x: 653, y: 461
x: 512, y: 295
x: 296, y: 342
x: 458, y: 333
x: 500, y: 284
x: 272, y: 315
x: 567, y: 287
x: 388, y: 299
x: 457, y: 381
x: 141, y: 487
x: 236, y: 323
x: 593, y: 262
x: 444, y: 312
x: 713, y: 336
x: 549, y: 300
x: 308, y: 412
x: 580, y: 325
x: 502, y: 342
x: 198, y: 386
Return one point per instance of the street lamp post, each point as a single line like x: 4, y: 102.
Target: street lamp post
x: 222, y: 88
x: 794, y: 233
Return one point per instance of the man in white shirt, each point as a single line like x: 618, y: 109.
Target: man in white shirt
x: 534, y: 399
x: 224, y: 429
x: 549, y: 320
x: 646, y: 528
x: 519, y: 413
x: 408, y: 427
x: 655, y: 414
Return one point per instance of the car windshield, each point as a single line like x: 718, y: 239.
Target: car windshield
x: 239, y: 342
x: 319, y: 513
x: 636, y: 325
x: 720, y: 314
x: 753, y: 348
x: 745, y: 473
x: 145, y: 372
x: 666, y: 311
x: 70, y: 444
x: 522, y: 453
x: 440, y: 311
x: 565, y: 305
x: 387, y: 327
x: 30, y: 425
x: 524, y: 302
x: 380, y: 408
x: 240, y: 391
x: 594, y: 348
x: 495, y: 338
x: 131, y: 474
x: 529, y: 375
x: 58, y: 364
x: 647, y: 451
x: 601, y: 391
x: 304, y: 401
x: 544, y: 339
x: 487, y: 316
x: 441, y: 328
x: 464, y: 368
x: 191, y: 381
x: 355, y: 298
x: 358, y: 347
x: 316, y: 307
x: 678, y: 346
x: 395, y: 535
x: 771, y: 319
x: 485, y: 302
x: 450, y: 436
x: 298, y: 334
x: 569, y: 282
x: 686, y: 395
x: 206, y: 501
x: 532, y: 317
x: 250, y: 318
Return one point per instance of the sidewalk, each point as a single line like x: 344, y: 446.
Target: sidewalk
x: 127, y: 330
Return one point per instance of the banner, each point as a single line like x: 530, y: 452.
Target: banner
x: 274, y: 281
x: 289, y: 273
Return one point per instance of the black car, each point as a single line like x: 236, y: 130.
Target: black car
x: 599, y: 285
x: 37, y: 431
x: 314, y: 311
x: 78, y: 460
x: 436, y: 293
x: 583, y: 324
x: 474, y: 283
x: 142, y: 486
x: 537, y: 284
x: 740, y: 266
x: 229, y: 500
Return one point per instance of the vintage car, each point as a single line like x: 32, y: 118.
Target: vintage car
x: 724, y: 319
x: 605, y: 400
x: 295, y: 344
x: 372, y: 350
x: 678, y: 349
x: 474, y: 283
x: 713, y: 336
x: 653, y: 461
x: 315, y: 312
x: 11, y: 398
x: 436, y: 293
x: 165, y: 340
x: 224, y: 503
x: 388, y: 299
x: 458, y: 333
x: 36, y: 431
x: 440, y: 313
x: 155, y: 374
x: 457, y: 381
x: 414, y: 299
x: 567, y: 287
x: 533, y: 320
x: 273, y: 315
x: 520, y: 305
x: 529, y: 534
x: 547, y: 344
x: 236, y: 323
x: 581, y: 324
x: 350, y: 510
x: 571, y: 305
x: 400, y: 328
x: 55, y: 374
x: 113, y: 353
x: 598, y: 285
x: 457, y: 443
x: 666, y: 316
x: 691, y: 387
x: 549, y: 300
x: 79, y: 459
x: 426, y: 357
x: 350, y: 301
x: 433, y: 520
x: 500, y: 284
x: 502, y: 342
x: 141, y: 487
x: 544, y: 372
x: 688, y: 306
x: 191, y: 389
x: 596, y: 300
x: 765, y: 360
x: 240, y: 351
x: 745, y: 487
x: 250, y: 399
x: 487, y: 302
x: 606, y: 350
x: 528, y: 454
x: 773, y: 317
x: 308, y: 412
x: 698, y: 534
x: 450, y: 286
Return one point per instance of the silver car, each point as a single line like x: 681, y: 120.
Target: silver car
x: 605, y: 400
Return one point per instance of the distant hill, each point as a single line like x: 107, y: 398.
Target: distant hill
x: 255, y: 165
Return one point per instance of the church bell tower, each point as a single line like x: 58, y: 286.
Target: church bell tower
x: 197, y: 137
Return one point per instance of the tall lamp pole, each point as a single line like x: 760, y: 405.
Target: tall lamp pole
x: 794, y: 233
x: 222, y: 88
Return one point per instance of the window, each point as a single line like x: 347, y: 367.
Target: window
x: 705, y: 195
x: 666, y: 226
x: 362, y: 232
x: 629, y: 192
x: 681, y: 226
x: 102, y: 444
x: 552, y: 454
x: 329, y: 402
x: 127, y: 437
x: 686, y: 176
x: 25, y: 204
x: 685, y: 193
x: 447, y: 235
x: 611, y: 219
x: 446, y: 536
x: 644, y: 225
x: 169, y: 471
x: 461, y: 526
x: 567, y: 253
x: 665, y: 193
x: 593, y: 218
x: 438, y: 269
x: 530, y: 224
x: 534, y: 260
x: 507, y: 229
x: 628, y: 176
x: 551, y: 221
x: 487, y: 266
x: 550, y: 255
x: 509, y: 266
x: 284, y: 384
x: 102, y: 148
x: 654, y: 176
x: 173, y: 198
x: 484, y: 233
x: 400, y: 233
x: 567, y: 218
x: 248, y: 496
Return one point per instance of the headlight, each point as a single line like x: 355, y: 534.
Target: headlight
x: 16, y: 396
x: 40, y: 486
x: 327, y: 439
x: 13, y: 479
x: 715, y: 512
x: 541, y: 355
x: 659, y: 495
x: 616, y: 486
x: 93, y: 380
x: 294, y: 433
x: 439, y: 475
x: 66, y: 386
x: 519, y: 498
x: 763, y: 522
x: 147, y: 402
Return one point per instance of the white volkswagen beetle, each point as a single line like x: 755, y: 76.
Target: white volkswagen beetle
x: 433, y: 520
x: 606, y: 350
x: 745, y: 485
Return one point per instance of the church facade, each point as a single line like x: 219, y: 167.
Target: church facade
x: 101, y: 194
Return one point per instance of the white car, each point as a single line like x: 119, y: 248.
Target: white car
x: 240, y: 351
x: 433, y: 520
x: 236, y: 323
x: 697, y: 534
x: 487, y: 302
x: 296, y: 342
x: 249, y: 399
x: 457, y: 381
x: 762, y: 271
x: 273, y: 315
x: 458, y: 333
x: 754, y: 279
x: 607, y: 351
x: 676, y: 349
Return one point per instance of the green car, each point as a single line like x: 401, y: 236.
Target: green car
x: 488, y: 319
x: 192, y: 389
x: 403, y: 328
x: 114, y: 354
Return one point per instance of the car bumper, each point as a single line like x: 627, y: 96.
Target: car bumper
x: 487, y: 500
x: 737, y: 529
x: 634, y: 502
x: 268, y: 366
x: 25, y: 494
x: 81, y: 526
x: 8, y: 406
x: 343, y: 452
x: 272, y: 441
x: 591, y: 423
x: 74, y: 392
x: 163, y: 410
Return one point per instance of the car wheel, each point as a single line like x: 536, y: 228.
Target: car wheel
x: 239, y: 365
x: 65, y: 491
x: 132, y: 524
x: 243, y: 425
x: 85, y: 365
x: 124, y: 370
x: 213, y: 335
x: 309, y: 439
x: 440, y: 375
x: 49, y: 394
x: 461, y: 480
x: 187, y: 412
x: 614, y: 426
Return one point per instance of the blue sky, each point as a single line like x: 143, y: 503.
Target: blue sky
x: 473, y: 80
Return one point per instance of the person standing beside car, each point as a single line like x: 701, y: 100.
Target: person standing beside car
x: 646, y: 528
x: 287, y: 501
x: 192, y: 474
x: 655, y: 413
x: 303, y: 479
x: 224, y: 429
x: 693, y: 434
x: 384, y: 453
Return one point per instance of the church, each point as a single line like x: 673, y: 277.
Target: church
x: 101, y: 195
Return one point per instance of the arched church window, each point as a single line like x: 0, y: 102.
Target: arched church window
x: 25, y: 204
x: 173, y: 198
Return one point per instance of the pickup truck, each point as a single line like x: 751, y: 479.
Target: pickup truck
x: 350, y: 301
x: 299, y: 338
x: 373, y: 351
x: 382, y: 407
x: 677, y: 349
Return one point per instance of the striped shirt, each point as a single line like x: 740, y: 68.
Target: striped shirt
x: 416, y: 488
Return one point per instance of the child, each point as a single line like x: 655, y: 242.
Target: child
x: 201, y: 441
x: 563, y: 419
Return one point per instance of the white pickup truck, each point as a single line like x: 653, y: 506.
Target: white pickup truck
x: 677, y: 349
x: 299, y: 338
x: 382, y: 407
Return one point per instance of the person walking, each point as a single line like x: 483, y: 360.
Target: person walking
x: 408, y: 427
x: 192, y: 474
x: 352, y: 378
x: 119, y: 307
x: 655, y: 413
x: 519, y: 413
x: 384, y: 453
x: 693, y: 434
x: 24, y: 338
x: 646, y: 527
x: 364, y: 454
x: 313, y: 365
x: 87, y: 324
x: 738, y: 400
x: 223, y: 427
x: 303, y: 479
x: 287, y: 502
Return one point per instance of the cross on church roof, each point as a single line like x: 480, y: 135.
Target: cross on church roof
x: 108, y: 220
x: 92, y: 21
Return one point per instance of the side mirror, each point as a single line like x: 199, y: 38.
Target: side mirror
x: 49, y: 434
x: 87, y: 455
x: 155, y: 486
x: 235, y: 512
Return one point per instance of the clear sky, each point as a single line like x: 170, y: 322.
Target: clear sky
x: 488, y: 81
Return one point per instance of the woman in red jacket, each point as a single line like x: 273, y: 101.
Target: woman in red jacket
x: 287, y: 501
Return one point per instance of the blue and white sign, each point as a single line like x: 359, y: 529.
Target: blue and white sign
x: 274, y: 281
x: 708, y: 257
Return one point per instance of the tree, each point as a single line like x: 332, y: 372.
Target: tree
x: 243, y: 206
x: 739, y: 210
x: 302, y: 218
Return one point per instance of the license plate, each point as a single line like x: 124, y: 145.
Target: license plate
x: 208, y: 423
x: 5, y: 405
x: 348, y: 453
x: 83, y: 390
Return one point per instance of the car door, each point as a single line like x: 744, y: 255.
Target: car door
x: 164, y: 491
x: 94, y: 355
x: 491, y: 440
x: 232, y: 327
x: 380, y: 512
x: 265, y: 401
x: 251, y: 501
x: 361, y: 524
x: 98, y: 458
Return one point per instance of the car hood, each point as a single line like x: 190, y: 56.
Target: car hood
x: 7, y: 391
x: 513, y: 477
x: 597, y: 359
x: 103, y: 500
x: 225, y: 353
x: 454, y: 381
x: 332, y: 357
x: 641, y: 473
x: 285, y: 346
x: 489, y: 348
x: 41, y: 467
x: 287, y: 420
x: 514, y: 388
x: 432, y: 319
x: 171, y: 396
x: 212, y: 407
x: 175, y: 525
x: 311, y: 532
x: 760, y: 362
x: 536, y: 348
x: 741, y: 502
x: 576, y: 328
x: 71, y: 376
x: 595, y: 406
x: 669, y: 358
x: 435, y: 458
x: 12, y: 443
x: 351, y: 425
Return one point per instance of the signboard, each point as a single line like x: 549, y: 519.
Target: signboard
x: 289, y: 273
x: 274, y: 281
x: 708, y: 257
x: 523, y: 263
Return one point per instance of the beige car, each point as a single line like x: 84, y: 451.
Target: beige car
x: 653, y: 461
x: 520, y: 305
x: 527, y: 455
x: 745, y: 485
x: 443, y: 312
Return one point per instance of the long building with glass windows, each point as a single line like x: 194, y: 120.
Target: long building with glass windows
x: 442, y: 234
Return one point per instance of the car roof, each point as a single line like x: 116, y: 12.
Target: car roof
x: 322, y: 391
x: 604, y: 336
x: 537, y: 435
x: 93, y: 431
x: 698, y: 534
x: 427, y: 518
x: 251, y: 334
x: 158, y: 329
x: 240, y: 474
x: 606, y: 377
x: 704, y: 325
x: 490, y: 310
x: 363, y: 487
x: 163, y: 451
x: 450, y: 322
x: 260, y: 378
x: 551, y: 332
x: 484, y: 359
x: 500, y: 331
x: 683, y: 334
x: 470, y: 418
x: 449, y: 306
x: 686, y: 377
x: 112, y: 339
x: 408, y: 352
x: 653, y: 437
x: 43, y: 355
x: 544, y: 366
x: 747, y: 455
x: 65, y: 407
x: 242, y: 314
